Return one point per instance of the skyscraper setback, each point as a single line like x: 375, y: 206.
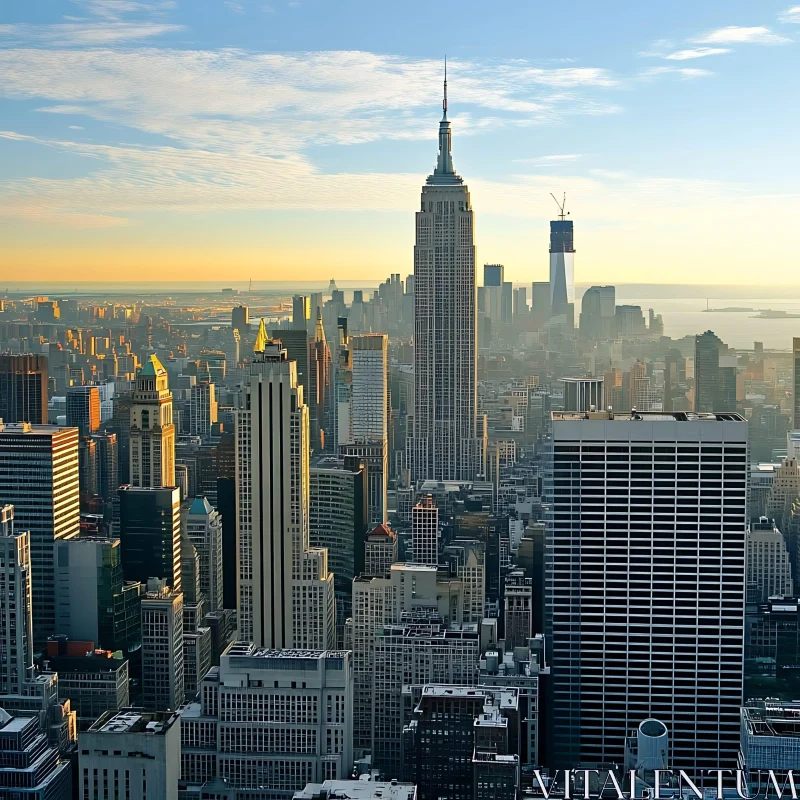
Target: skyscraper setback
x: 446, y: 446
x: 286, y: 596
x: 152, y: 436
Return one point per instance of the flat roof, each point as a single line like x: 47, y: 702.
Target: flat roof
x: 647, y: 416
x: 135, y: 720
x: 358, y: 790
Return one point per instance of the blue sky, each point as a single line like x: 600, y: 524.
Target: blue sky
x: 208, y: 138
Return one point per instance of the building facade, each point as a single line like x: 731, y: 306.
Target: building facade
x: 286, y: 593
x: 446, y: 444
x: 410, y: 653
x: 425, y: 532
x: 23, y: 389
x: 133, y: 754
x: 268, y: 722
x: 162, y: 647
x: 204, y: 529
x: 150, y: 534
x: 16, y: 620
x: 152, y: 432
x: 645, y: 583
x: 369, y: 416
x: 769, y: 568
x: 39, y: 477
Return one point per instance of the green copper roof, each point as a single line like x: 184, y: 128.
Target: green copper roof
x: 153, y: 367
x: 200, y: 506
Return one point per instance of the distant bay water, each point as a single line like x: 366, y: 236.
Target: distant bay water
x: 682, y: 306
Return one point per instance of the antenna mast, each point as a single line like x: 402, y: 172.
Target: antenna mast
x: 444, y: 99
x: 561, y: 205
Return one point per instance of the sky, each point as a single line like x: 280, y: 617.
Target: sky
x: 234, y: 139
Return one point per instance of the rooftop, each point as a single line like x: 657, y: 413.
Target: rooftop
x: 646, y: 416
x: 251, y: 651
x: 135, y: 720
x: 772, y: 718
x: 357, y: 790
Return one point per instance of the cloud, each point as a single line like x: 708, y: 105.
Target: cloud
x: 550, y: 161
x: 236, y: 126
x: 75, y: 127
x: 237, y: 8
x: 683, y: 72
x: 791, y: 15
x: 82, y: 34
x: 696, y: 52
x: 232, y: 100
x: 115, y: 9
x: 734, y: 34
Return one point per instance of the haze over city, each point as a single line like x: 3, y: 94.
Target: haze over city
x: 166, y: 140
x: 399, y: 401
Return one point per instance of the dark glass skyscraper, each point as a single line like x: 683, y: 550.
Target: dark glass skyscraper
x: 23, y: 389
x: 150, y: 534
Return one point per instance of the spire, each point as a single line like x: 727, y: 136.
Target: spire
x: 261, y: 338
x: 319, y: 329
x: 445, y: 172
x: 444, y: 99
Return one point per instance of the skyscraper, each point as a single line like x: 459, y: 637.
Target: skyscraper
x: 240, y: 321
x: 204, y: 528
x: 162, y: 647
x: 369, y: 429
x: 598, y: 312
x: 83, y: 409
x: 338, y: 522
x: 202, y: 409
x: 446, y: 446
x: 150, y: 534
x: 714, y: 374
x: 795, y: 383
x: 39, y: 477
x: 562, y: 264
x: 645, y: 583
x: 286, y: 596
x: 152, y: 435
x: 425, y: 532
x: 23, y: 389
x: 321, y: 399
x: 16, y: 620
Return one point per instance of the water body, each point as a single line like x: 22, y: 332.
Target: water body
x: 686, y: 316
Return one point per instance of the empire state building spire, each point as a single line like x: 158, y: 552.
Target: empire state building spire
x: 445, y: 172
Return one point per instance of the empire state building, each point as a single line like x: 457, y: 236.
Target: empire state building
x: 446, y: 447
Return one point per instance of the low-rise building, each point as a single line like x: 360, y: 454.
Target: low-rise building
x: 29, y: 767
x: 267, y: 722
x: 132, y: 754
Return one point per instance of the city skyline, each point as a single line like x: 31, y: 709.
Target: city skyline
x: 260, y: 122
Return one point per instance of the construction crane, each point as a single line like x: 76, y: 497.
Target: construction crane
x: 561, y: 206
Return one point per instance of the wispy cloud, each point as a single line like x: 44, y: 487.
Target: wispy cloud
x: 734, y: 34
x: 115, y: 9
x: 280, y: 103
x: 686, y: 73
x: 550, y: 161
x: 237, y: 125
x: 237, y: 8
x: 696, y: 52
x: 82, y: 34
x: 791, y: 15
